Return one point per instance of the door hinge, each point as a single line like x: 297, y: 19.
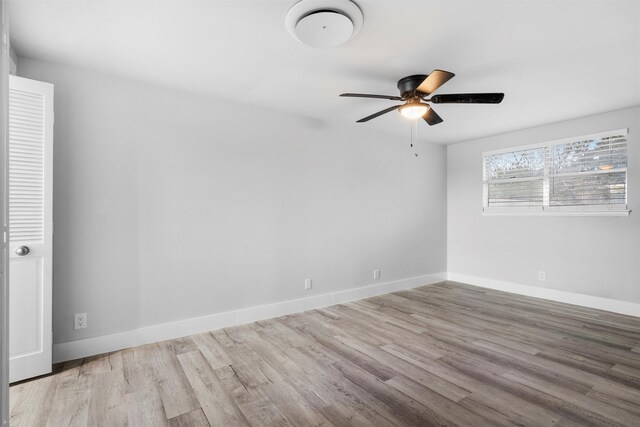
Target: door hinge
x: 5, y: 39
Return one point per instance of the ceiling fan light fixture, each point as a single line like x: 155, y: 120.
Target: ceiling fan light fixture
x: 414, y: 110
x: 415, y: 88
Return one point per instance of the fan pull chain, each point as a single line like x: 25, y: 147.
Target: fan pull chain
x: 411, y: 131
x: 414, y: 126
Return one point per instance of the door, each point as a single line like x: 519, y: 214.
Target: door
x: 30, y: 227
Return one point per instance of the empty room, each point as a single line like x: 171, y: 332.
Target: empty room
x: 320, y: 213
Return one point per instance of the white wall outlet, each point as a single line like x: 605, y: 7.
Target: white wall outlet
x: 376, y: 274
x: 80, y: 321
x: 541, y: 276
x: 307, y: 284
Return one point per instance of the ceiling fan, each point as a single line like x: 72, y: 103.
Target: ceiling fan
x: 414, y: 91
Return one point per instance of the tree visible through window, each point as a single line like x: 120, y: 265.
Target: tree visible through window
x: 581, y: 174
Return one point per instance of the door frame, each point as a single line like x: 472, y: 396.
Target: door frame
x: 4, y: 264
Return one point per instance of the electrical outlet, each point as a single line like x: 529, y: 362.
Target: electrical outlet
x: 80, y: 321
x: 307, y: 284
x: 376, y: 274
x: 541, y: 276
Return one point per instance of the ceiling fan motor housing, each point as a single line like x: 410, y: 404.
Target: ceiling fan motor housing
x: 408, y: 85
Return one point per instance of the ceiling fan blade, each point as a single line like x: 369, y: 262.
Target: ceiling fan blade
x: 366, y: 95
x: 468, y: 98
x: 434, y: 80
x: 379, y: 113
x: 432, y: 118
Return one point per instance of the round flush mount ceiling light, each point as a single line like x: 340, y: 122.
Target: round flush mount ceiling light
x: 324, y: 23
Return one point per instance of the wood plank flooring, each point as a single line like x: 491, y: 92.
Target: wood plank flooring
x: 446, y: 354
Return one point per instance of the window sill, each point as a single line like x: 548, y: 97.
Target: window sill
x: 558, y: 213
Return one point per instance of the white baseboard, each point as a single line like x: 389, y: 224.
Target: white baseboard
x: 97, y: 345
x: 616, y: 306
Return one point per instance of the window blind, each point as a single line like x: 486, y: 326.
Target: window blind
x: 515, y: 178
x: 582, y: 173
x: 591, y: 171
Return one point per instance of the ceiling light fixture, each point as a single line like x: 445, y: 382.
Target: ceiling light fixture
x: 414, y: 109
x: 324, y: 23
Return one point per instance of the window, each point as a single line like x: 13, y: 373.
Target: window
x: 581, y: 175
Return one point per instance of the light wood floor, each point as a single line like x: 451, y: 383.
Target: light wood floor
x: 439, y: 355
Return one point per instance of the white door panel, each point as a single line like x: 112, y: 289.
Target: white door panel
x: 30, y: 227
x: 25, y: 335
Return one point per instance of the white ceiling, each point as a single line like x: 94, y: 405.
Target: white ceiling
x: 554, y: 60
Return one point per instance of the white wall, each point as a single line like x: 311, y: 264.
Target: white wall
x: 13, y: 61
x: 598, y: 256
x: 170, y: 205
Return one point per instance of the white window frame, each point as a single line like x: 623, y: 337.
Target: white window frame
x: 545, y: 209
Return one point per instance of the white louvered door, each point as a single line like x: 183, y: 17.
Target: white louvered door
x: 30, y: 227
